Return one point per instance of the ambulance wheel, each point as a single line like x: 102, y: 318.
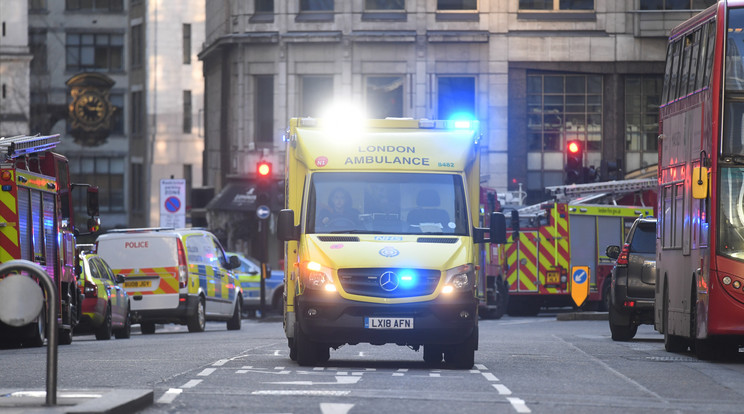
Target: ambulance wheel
x: 323, y: 353
x: 126, y: 331
x: 104, y: 331
x: 65, y: 336
x: 147, y: 328
x: 292, y: 349
x: 462, y: 356
x: 233, y: 324
x: 198, y: 321
x: 307, y: 353
x: 432, y: 354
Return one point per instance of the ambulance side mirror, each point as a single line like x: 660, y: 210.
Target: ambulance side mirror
x: 497, y: 227
x: 286, y: 229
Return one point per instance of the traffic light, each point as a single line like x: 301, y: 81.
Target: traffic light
x: 574, y: 162
x: 264, y: 183
x: 263, y: 170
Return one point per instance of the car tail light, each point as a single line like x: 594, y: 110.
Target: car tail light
x: 90, y: 290
x: 183, y: 271
x: 622, y: 259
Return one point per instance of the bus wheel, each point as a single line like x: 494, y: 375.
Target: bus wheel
x: 672, y: 343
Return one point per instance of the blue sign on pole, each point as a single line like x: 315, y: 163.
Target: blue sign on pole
x: 172, y: 204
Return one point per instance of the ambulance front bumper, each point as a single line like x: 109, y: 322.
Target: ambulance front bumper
x: 337, y: 321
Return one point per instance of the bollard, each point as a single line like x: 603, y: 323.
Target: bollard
x: 51, y: 325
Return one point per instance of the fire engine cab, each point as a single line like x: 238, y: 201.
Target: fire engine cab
x: 37, y: 223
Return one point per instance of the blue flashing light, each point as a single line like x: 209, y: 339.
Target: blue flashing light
x: 407, y: 279
x: 462, y: 120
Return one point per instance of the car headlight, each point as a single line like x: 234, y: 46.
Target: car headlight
x: 459, y: 278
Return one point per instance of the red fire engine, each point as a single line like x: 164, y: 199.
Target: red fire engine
x: 37, y: 223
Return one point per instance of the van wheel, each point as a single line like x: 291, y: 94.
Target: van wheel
x: 104, y: 331
x: 462, y: 356
x: 307, y: 352
x: 147, y: 328
x: 233, y: 324
x: 198, y: 321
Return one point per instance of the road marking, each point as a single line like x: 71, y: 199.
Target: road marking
x: 206, y: 372
x: 330, y: 408
x: 191, y: 384
x: 398, y: 374
x: 279, y: 368
x: 519, y: 405
x: 481, y: 367
x: 489, y: 376
x: 302, y: 392
x: 169, y: 396
x: 277, y: 353
x: 501, y: 388
x: 339, y: 380
x: 221, y: 362
x: 318, y: 368
x: 245, y: 371
x: 361, y: 354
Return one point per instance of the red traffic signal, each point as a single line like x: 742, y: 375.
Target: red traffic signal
x: 263, y: 169
x: 574, y: 147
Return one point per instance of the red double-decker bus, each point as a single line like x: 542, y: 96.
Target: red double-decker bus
x: 700, y: 234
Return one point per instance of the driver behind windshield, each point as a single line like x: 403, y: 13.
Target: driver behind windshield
x: 339, y: 212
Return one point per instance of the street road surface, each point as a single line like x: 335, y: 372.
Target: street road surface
x: 524, y: 365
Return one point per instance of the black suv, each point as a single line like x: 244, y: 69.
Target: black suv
x: 633, y: 280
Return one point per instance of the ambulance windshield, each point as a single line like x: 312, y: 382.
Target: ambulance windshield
x: 387, y: 203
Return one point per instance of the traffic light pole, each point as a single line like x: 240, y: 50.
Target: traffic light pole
x: 263, y: 236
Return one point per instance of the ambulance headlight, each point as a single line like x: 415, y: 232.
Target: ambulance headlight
x: 460, y: 278
x: 317, y: 277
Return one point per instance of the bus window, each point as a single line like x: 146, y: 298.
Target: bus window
x: 734, y: 51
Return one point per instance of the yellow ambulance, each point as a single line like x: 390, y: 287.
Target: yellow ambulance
x: 380, y: 237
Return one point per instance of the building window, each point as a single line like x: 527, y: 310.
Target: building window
x: 137, y: 48
x: 117, y: 119
x: 94, y: 52
x: 676, y: 4
x: 316, y: 5
x: 36, y: 6
x: 187, y: 112
x: 264, y: 108
x: 94, y: 5
x: 556, y: 4
x: 38, y: 46
x: 456, y: 97
x: 186, y: 43
x: 264, y: 6
x: 377, y: 5
x: 137, y: 117
x: 317, y: 93
x: 385, y: 96
x: 453, y: 5
x: 642, y: 99
x: 105, y: 172
x: 136, y: 194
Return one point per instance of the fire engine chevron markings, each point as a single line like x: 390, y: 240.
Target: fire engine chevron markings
x: 330, y: 408
x: 169, y: 396
x: 339, y: 381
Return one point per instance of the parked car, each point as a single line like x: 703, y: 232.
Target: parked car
x: 249, y: 274
x: 175, y: 276
x: 633, y: 280
x: 105, y: 305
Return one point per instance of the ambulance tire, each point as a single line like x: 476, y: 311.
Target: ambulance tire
x: 126, y: 331
x: 292, y: 349
x: 307, y: 352
x: 463, y: 356
x: 104, y: 331
x: 432, y: 354
x: 147, y: 328
x: 323, y: 353
x: 233, y: 324
x: 198, y: 321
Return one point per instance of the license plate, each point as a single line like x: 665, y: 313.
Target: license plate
x: 388, y: 323
x: 553, y: 278
x: 138, y: 283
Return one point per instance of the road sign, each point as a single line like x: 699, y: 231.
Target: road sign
x: 172, y: 203
x: 263, y: 212
x: 579, y: 284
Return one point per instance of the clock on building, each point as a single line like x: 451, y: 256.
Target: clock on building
x: 91, y: 108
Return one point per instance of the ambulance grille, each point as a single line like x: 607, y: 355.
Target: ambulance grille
x: 367, y: 282
x: 447, y: 240
x: 337, y: 239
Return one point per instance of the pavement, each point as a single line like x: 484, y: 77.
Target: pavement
x: 582, y: 316
x: 89, y: 401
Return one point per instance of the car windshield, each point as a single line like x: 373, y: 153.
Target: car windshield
x: 386, y: 203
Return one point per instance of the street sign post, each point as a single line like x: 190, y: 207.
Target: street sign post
x: 579, y: 284
x: 173, y: 203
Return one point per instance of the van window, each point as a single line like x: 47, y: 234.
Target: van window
x: 200, y: 249
x: 138, y: 251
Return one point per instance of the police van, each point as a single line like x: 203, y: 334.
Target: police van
x: 178, y: 276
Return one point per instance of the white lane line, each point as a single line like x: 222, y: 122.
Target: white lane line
x: 481, y: 367
x: 435, y: 374
x: 221, y: 362
x: 302, y: 392
x: 191, y: 384
x: 206, y: 372
x: 277, y: 353
x: 318, y: 368
x: 339, y: 380
x: 519, y: 405
x: 403, y: 370
x: 361, y: 354
x: 501, y: 388
x: 169, y: 396
x: 398, y: 374
x: 489, y: 376
x: 331, y: 408
x: 279, y: 368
